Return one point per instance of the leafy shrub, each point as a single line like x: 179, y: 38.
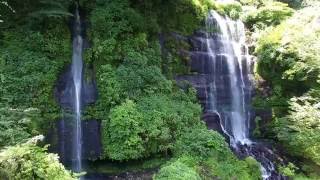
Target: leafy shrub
x: 128, y: 81
x: 149, y: 126
x: 177, y: 170
x: 289, y: 59
x: 299, y: 131
x: 213, y: 156
x: 269, y: 14
x: 230, y: 9
x: 181, y: 16
x: 17, y: 125
x: 122, y: 133
x: 201, y: 143
x: 117, y: 30
x: 28, y: 161
x: 288, y: 170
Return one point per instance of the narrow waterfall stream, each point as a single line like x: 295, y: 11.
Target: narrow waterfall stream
x: 77, y: 66
x: 230, y: 90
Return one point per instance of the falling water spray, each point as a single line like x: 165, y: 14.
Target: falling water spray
x: 77, y: 66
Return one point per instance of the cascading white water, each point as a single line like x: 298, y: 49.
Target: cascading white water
x: 227, y: 49
x: 77, y: 81
x: 232, y: 40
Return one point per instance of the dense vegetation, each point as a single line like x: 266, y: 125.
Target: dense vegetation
x: 289, y: 60
x: 28, y: 161
x: 209, y: 157
x: 33, y: 52
x: 142, y: 111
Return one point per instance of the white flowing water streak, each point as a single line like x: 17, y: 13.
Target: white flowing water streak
x: 232, y: 35
x: 236, y: 118
x: 77, y: 80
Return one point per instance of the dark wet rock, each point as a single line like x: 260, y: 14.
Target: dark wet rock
x: 212, y: 120
x: 264, y: 114
x: 201, y: 62
x: 64, y: 90
x: 204, y: 34
x: 179, y: 36
x: 262, y: 153
x: 200, y: 33
x: 198, y: 43
x: 60, y: 139
x: 200, y: 83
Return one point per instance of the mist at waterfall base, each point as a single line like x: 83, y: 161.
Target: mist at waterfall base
x: 230, y: 90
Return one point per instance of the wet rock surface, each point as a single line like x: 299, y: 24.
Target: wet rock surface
x: 262, y: 153
x: 60, y: 138
x: 64, y: 90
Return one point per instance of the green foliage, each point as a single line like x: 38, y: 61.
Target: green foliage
x: 214, y: 156
x: 181, y: 16
x: 118, y: 30
x: 51, y: 9
x: 201, y: 143
x: 288, y: 170
x: 177, y: 170
x: 268, y: 14
x: 34, y: 13
x: 133, y: 92
x: 289, y: 59
x: 122, y: 133
x: 17, y: 125
x: 206, y: 152
x: 28, y: 161
x: 29, y: 70
x: 33, y: 52
x: 129, y: 80
x: 300, y: 129
x: 147, y: 127
x: 288, y: 55
x: 230, y: 9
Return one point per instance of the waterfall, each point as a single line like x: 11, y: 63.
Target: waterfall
x: 77, y: 66
x: 230, y: 52
x: 230, y: 87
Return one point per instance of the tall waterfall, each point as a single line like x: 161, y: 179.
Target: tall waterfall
x: 228, y: 49
x: 230, y: 86
x: 77, y: 66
